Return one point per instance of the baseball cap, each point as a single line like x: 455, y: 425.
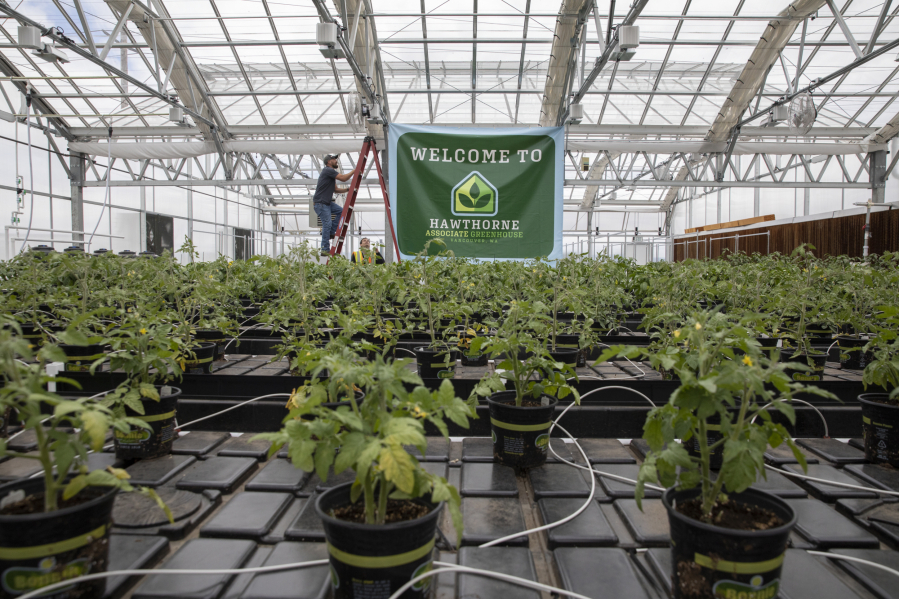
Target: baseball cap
x: 330, y: 156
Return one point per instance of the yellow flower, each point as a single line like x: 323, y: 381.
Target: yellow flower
x: 230, y: 262
x: 143, y: 331
x: 747, y: 360
x: 677, y: 333
x: 698, y: 326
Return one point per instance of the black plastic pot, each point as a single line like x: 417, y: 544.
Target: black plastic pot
x: 819, y: 330
x: 880, y: 428
x: 141, y: 443
x: 851, y: 355
x: 44, y: 548
x: 469, y: 357
x: 816, y: 361
x: 79, y: 358
x: 520, y: 433
x: 713, y: 435
x: 33, y: 334
x: 373, y: 561
x: 566, y: 341
x: 213, y: 336
x: 436, y: 363
x: 709, y: 562
x: 571, y: 356
x: 201, y: 362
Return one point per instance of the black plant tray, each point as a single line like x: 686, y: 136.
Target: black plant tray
x: 616, y: 413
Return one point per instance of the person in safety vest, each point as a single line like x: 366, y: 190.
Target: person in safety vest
x: 365, y: 255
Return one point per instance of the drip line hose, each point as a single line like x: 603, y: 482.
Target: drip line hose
x: 642, y: 374
x: 566, y: 518
x: 802, y: 401
x: 234, y: 407
x: 444, y: 567
x: 849, y: 558
x: 30, y: 167
x: 106, y: 194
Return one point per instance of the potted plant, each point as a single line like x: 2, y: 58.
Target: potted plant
x: 379, y: 543
x: 880, y: 411
x: 438, y: 359
x: 56, y: 526
x: 148, y: 353
x: 799, y: 300
x: 859, y: 288
x: 727, y: 538
x: 520, y: 418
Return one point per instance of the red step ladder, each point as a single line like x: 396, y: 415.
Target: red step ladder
x: 343, y: 226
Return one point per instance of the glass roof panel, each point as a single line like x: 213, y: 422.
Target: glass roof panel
x: 636, y: 94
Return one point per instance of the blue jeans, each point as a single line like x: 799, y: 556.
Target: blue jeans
x: 325, y: 213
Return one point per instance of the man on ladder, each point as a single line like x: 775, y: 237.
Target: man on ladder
x: 323, y: 200
x: 365, y: 254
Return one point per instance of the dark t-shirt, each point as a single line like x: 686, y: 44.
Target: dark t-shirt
x: 324, y: 191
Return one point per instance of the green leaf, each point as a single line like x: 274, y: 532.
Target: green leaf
x: 352, y: 446
x: 404, y: 431
x: 73, y: 337
x: 324, y: 457
x: 398, y: 467
x: 67, y: 407
x: 149, y: 391
x: 75, y: 486
x: 95, y: 424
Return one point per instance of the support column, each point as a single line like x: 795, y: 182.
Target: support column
x: 756, y: 197
x: 76, y: 165
x: 590, y: 232
x: 388, y: 239
x: 878, y: 169
x: 806, y: 196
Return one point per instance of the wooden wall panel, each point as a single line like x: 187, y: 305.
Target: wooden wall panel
x: 831, y: 237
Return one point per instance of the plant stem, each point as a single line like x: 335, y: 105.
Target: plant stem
x: 369, y: 492
x: 50, y: 503
x: 383, y: 491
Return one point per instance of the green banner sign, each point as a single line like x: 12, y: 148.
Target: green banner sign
x: 488, y: 193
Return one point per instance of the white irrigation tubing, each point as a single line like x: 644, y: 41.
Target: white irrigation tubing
x: 259, y: 570
x: 622, y: 479
x: 105, y: 195
x: 849, y: 558
x: 566, y: 518
x: 234, y: 407
x: 405, y: 350
x: 238, y: 335
x: 619, y: 387
x: 832, y: 483
x: 802, y: 401
x: 447, y: 567
x: 642, y: 374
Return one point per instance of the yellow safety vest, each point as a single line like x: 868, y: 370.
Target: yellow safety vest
x: 358, y: 255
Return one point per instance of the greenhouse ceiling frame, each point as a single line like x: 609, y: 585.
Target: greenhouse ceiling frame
x: 378, y: 82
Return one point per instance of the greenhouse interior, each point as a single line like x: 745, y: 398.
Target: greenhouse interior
x: 437, y: 299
